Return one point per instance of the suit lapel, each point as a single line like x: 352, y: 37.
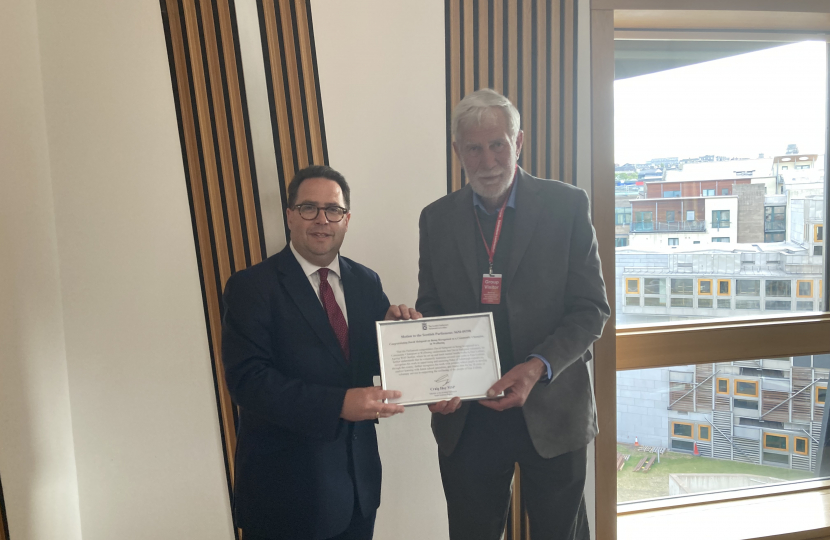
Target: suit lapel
x: 528, y: 208
x: 464, y: 230
x: 304, y: 296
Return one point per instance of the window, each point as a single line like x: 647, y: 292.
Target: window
x: 817, y: 250
x: 773, y: 459
x: 804, y: 305
x: 724, y: 303
x: 674, y: 241
x: 643, y: 221
x: 802, y: 446
x: 671, y: 194
x: 620, y: 242
x: 622, y: 216
x: 723, y: 239
x: 804, y: 288
x: 818, y: 233
x: 745, y: 404
x: 632, y: 301
x: 748, y: 287
x: 681, y: 302
x: 704, y: 303
x: 778, y: 305
x: 778, y: 287
x: 654, y: 285
x: 670, y: 216
x: 704, y: 286
x: 775, y: 218
x: 775, y: 442
x: 723, y: 287
x: 681, y: 429
x: 746, y: 388
x: 683, y: 446
x: 690, y: 215
x: 708, y: 192
x: 723, y: 386
x: 774, y: 237
x: 747, y: 304
x: 632, y: 285
x: 682, y: 286
x: 821, y: 395
x: 720, y: 218
x: 654, y: 301
x: 724, y: 191
x: 704, y: 433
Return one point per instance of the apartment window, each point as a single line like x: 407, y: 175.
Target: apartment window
x: 683, y: 446
x: 724, y: 303
x: 775, y: 218
x: 681, y: 429
x: 632, y: 301
x: 622, y: 216
x: 632, y: 285
x: 745, y: 404
x: 774, y: 237
x: 817, y: 250
x: 670, y: 216
x: 704, y: 303
x: 708, y: 192
x: 723, y: 287
x: 674, y: 241
x: 804, y: 288
x: 785, y: 167
x: 643, y: 221
x: 654, y: 301
x: 801, y: 446
x: 804, y: 305
x: 775, y: 442
x: 704, y: 433
x: 773, y: 458
x: 671, y: 194
x: 778, y: 305
x: 748, y: 287
x: 722, y: 386
x: 681, y: 302
x: 818, y: 233
x: 746, y: 388
x: 724, y: 191
x: 779, y: 287
x: 620, y: 242
x: 722, y: 239
x: 654, y: 285
x: 720, y: 218
x: 747, y: 304
x: 690, y: 215
x: 682, y: 286
x: 821, y: 394
x: 704, y: 286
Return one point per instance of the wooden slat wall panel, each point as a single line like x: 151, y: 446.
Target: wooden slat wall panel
x: 202, y: 44
x: 293, y: 87
x: 525, y: 49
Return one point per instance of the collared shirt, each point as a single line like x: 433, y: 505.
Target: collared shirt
x: 310, y: 271
x: 511, y: 203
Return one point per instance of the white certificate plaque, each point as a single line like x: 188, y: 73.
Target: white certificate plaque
x: 438, y: 358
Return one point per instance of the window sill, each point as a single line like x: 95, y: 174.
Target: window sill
x: 793, y: 511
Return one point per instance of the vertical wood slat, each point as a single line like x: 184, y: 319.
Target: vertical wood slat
x: 296, y: 112
x: 527, y: 49
x: 214, y: 133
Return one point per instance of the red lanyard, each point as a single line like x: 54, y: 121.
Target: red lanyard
x: 491, y: 251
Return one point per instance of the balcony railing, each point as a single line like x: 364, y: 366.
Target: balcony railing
x: 668, y: 226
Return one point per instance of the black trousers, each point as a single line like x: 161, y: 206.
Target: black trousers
x: 361, y: 528
x: 478, y: 478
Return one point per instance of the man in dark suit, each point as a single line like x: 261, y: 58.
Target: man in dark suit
x: 300, y: 351
x: 531, y: 241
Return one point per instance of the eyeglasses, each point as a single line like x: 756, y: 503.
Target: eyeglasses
x: 309, y: 211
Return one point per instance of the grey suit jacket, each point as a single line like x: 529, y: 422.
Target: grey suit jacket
x: 555, y: 295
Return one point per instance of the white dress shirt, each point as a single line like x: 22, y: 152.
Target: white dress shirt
x: 310, y: 271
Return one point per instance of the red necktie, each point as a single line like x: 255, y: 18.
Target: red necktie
x: 336, y: 318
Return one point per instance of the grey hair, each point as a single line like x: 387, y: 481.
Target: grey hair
x: 473, y: 106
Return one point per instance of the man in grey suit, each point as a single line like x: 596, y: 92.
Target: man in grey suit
x: 531, y: 242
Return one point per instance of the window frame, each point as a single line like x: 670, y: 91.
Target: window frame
x: 717, y: 386
x: 798, y: 287
x: 747, y: 381
x: 691, y: 425
x: 806, y: 452
x: 700, y: 437
x: 815, y: 397
x: 786, y: 438
x: 816, y: 228
x: 700, y: 282
x: 728, y: 287
x: 627, y: 281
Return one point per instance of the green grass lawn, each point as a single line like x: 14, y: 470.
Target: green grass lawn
x: 632, y: 486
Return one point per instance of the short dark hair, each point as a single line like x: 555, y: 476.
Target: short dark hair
x: 317, y: 171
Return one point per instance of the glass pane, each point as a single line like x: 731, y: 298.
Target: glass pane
x: 700, y: 437
x: 729, y: 187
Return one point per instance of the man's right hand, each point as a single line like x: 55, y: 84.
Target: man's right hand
x: 367, y: 404
x: 445, y: 407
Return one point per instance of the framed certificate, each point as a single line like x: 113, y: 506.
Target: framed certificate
x: 438, y: 358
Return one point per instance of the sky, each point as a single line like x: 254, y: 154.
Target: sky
x: 739, y: 106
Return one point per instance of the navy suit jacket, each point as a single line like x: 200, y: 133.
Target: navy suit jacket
x: 298, y: 464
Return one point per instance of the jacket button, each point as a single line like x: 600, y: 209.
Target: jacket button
x: 354, y: 437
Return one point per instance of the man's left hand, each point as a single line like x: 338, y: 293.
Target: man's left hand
x: 516, y: 385
x: 401, y: 313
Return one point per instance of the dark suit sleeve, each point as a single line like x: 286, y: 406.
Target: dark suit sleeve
x: 428, y: 303
x: 586, y: 305
x: 253, y: 380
